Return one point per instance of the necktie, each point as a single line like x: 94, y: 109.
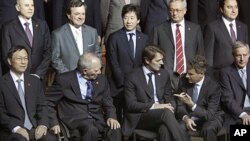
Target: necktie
x: 233, y: 36
x: 179, y: 52
x: 150, y: 83
x: 27, y: 122
x: 195, y: 93
x: 28, y: 33
x: 243, y: 76
x: 131, y: 43
x: 89, y: 90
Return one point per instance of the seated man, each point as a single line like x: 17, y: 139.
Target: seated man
x: 148, y: 95
x: 23, y: 109
x: 235, y: 86
x: 199, y: 106
x: 85, y: 103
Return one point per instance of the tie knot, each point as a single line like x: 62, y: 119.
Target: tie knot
x: 150, y: 75
x: 178, y: 25
x: 131, y: 35
x: 26, y: 24
x: 89, y: 83
x: 231, y: 25
x: 19, y: 80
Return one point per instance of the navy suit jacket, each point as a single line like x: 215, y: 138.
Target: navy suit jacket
x: 139, y: 99
x: 218, y: 43
x: 39, y: 53
x: 11, y: 110
x: 120, y: 58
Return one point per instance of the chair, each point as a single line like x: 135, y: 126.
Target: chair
x: 145, y: 134
x: 221, y: 136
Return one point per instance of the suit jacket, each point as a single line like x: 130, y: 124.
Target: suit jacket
x: 40, y: 52
x: 111, y: 15
x: 233, y: 92
x: 163, y: 36
x: 65, y: 53
x: 243, y: 13
x: 72, y: 109
x: 120, y: 58
x: 138, y: 97
x: 218, y: 42
x: 208, y: 103
x: 153, y: 12
x: 11, y: 110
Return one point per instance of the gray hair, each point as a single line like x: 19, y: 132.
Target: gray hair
x: 239, y: 44
x: 85, y: 61
x: 183, y: 1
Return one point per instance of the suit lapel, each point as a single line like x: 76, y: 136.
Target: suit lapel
x: 188, y: 38
x: 158, y: 83
x: 239, y: 31
x: 28, y: 92
x: 225, y: 31
x: 75, y: 85
x: 19, y: 29
x: 248, y: 79
x: 124, y: 40
x: 144, y: 83
x: 203, y: 90
x: 70, y: 38
x: 169, y: 32
x: 35, y: 32
x: 236, y: 76
x: 139, y: 46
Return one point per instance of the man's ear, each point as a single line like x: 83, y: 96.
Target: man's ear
x: 17, y: 7
x: 9, y: 62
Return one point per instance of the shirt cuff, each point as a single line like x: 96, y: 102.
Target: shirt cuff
x: 242, y: 114
x: 15, y: 129
x: 152, y: 107
x: 193, y: 108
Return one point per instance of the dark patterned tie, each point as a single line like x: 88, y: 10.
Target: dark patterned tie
x: 28, y: 33
x: 150, y: 83
x: 89, y: 91
x: 131, y: 44
x: 232, y: 32
x: 195, y: 93
x: 27, y: 123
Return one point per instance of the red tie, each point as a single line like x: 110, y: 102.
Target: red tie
x: 179, y: 52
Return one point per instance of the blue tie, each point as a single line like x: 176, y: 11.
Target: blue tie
x: 195, y: 93
x: 150, y: 83
x: 89, y: 90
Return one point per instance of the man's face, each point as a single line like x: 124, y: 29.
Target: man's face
x: 77, y: 16
x: 130, y: 21
x: 19, y: 61
x: 193, y: 76
x: 177, y: 11
x: 241, y: 56
x: 156, y: 63
x: 25, y: 8
x: 230, y: 10
x: 94, y: 71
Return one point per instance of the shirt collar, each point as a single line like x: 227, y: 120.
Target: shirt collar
x: 74, y: 28
x: 181, y: 23
x: 228, y: 22
x: 15, y: 77
x: 200, y: 82
x: 23, y: 21
x: 146, y: 70
x: 133, y: 31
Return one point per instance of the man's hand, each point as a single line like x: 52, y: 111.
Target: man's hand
x: 185, y: 98
x: 190, y: 124
x: 23, y: 132
x: 56, y: 129
x: 113, y: 123
x: 40, y: 131
x: 246, y: 119
x: 163, y: 106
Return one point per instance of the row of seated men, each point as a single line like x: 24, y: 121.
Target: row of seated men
x: 81, y: 99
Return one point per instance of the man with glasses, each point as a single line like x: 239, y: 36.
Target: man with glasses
x: 180, y: 39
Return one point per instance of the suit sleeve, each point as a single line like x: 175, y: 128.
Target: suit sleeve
x: 209, y: 41
x: 104, y: 13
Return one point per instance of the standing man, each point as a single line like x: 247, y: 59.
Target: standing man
x: 199, y: 106
x: 148, y: 96
x: 31, y: 33
x: 180, y: 39
x: 73, y: 39
x: 220, y: 35
x: 23, y: 110
x: 122, y: 56
x: 85, y: 103
x: 235, y: 84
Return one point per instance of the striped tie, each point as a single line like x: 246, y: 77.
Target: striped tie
x: 179, y: 52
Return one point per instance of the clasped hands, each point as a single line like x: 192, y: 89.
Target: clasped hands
x: 39, y: 132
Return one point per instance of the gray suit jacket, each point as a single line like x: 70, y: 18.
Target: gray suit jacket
x: 65, y: 53
x: 111, y: 15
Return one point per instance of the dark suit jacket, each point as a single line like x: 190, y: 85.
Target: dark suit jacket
x: 233, y: 92
x: 72, y: 109
x: 163, y: 36
x: 11, y: 110
x: 40, y: 52
x: 153, y: 12
x: 218, y: 43
x: 208, y: 103
x: 120, y: 58
x: 243, y: 13
x: 138, y: 97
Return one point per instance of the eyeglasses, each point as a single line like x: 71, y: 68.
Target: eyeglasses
x: 176, y: 10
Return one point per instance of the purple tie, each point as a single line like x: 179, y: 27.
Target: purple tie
x: 28, y: 32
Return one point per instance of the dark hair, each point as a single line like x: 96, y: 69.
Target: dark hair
x: 75, y: 3
x: 150, y: 51
x: 16, y: 48
x: 222, y: 3
x: 198, y: 63
x: 131, y: 8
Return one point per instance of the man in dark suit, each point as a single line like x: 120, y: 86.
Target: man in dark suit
x: 85, y: 103
x: 148, y: 97
x: 73, y: 39
x: 218, y: 36
x: 243, y: 13
x: 31, y: 33
x: 120, y: 56
x: 23, y: 110
x: 199, y: 100
x: 235, y: 84
x: 178, y: 38
x: 153, y: 12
